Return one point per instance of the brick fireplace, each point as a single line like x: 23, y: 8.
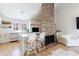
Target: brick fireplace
x: 45, y: 22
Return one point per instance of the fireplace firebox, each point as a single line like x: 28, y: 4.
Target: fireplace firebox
x: 49, y: 39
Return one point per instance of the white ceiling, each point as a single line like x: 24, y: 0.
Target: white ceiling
x: 20, y: 11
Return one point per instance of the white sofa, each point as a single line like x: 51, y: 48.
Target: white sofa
x: 68, y: 39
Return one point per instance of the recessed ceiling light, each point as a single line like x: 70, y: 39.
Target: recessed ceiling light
x: 22, y: 11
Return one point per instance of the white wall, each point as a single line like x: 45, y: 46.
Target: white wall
x: 20, y: 11
x: 65, y: 17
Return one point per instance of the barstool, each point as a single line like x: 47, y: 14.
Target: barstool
x: 41, y: 41
x: 32, y: 44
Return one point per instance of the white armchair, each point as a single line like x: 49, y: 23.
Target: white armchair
x: 68, y: 39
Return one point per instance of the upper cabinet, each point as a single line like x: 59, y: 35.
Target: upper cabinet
x: 24, y: 27
x: 15, y: 26
x: 21, y: 26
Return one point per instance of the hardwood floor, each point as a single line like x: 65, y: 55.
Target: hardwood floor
x: 12, y: 49
x: 50, y: 48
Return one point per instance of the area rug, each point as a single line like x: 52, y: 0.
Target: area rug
x: 62, y: 52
